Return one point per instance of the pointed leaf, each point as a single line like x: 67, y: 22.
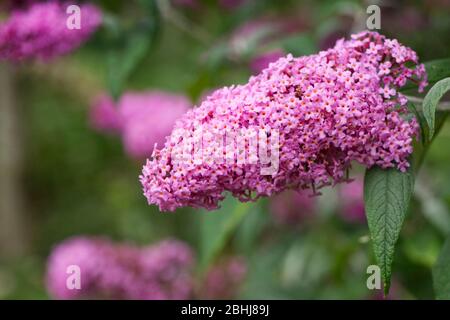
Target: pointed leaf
x: 387, y: 193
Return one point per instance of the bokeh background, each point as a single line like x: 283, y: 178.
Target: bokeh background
x: 63, y: 177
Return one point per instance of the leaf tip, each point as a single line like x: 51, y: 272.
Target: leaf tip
x: 386, y: 287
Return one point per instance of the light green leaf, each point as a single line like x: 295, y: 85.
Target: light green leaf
x: 387, y: 194
x: 441, y: 273
x: 422, y: 248
x: 431, y: 101
x: 299, y: 45
x: 217, y: 227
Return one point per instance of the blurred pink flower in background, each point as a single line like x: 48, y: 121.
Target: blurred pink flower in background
x: 40, y: 31
x: 292, y: 208
x: 351, y: 201
x: 121, y: 271
x: 224, y: 279
x: 262, y: 61
x: 141, y: 118
x: 104, y: 116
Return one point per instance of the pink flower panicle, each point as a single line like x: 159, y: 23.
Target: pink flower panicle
x: 40, y: 31
x: 331, y: 108
x: 143, y: 119
x: 104, y: 116
x: 120, y: 271
x: 148, y: 118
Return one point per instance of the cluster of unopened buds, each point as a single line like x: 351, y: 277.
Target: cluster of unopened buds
x: 317, y: 114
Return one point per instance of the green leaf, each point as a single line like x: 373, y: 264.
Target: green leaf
x: 431, y: 101
x: 249, y: 231
x: 441, y: 273
x: 299, y: 45
x: 218, y: 227
x: 387, y: 194
x: 422, y: 248
x: 129, y: 46
x: 123, y: 60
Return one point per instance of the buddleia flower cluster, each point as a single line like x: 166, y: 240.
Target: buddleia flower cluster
x: 38, y: 30
x: 143, y: 119
x: 324, y: 111
x: 120, y: 271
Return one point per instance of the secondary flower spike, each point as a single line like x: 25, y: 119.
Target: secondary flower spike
x: 328, y: 109
x: 120, y: 271
x: 141, y: 118
x: 40, y: 31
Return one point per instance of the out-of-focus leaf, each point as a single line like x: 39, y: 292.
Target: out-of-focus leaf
x: 441, y: 273
x: 217, y: 227
x: 129, y: 47
x: 431, y: 101
x: 197, y: 88
x: 299, y: 45
x: 433, y: 208
x: 422, y: 248
x: 122, y: 61
x: 306, y: 263
x: 217, y: 55
x: 387, y: 194
x: 265, y: 263
x: 252, y: 226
